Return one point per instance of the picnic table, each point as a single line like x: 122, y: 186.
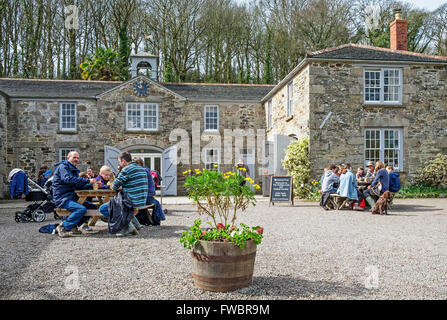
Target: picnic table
x: 102, y: 196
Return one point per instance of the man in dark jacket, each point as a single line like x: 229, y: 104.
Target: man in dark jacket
x: 158, y: 210
x: 66, y: 180
x: 394, y: 179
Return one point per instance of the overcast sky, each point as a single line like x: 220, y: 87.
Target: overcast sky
x: 420, y: 4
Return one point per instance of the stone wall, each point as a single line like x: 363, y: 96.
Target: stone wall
x: 35, y: 138
x: 3, y: 141
x: 296, y: 125
x: 338, y: 88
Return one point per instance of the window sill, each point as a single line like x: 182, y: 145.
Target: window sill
x: 67, y: 132
x: 382, y: 105
x: 142, y: 132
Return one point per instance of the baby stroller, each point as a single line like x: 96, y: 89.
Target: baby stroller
x: 42, y: 199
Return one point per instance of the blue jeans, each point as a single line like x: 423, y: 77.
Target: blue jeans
x: 104, y: 210
x: 76, y: 218
x: 158, y: 215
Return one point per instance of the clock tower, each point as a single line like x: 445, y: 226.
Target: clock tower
x: 144, y: 63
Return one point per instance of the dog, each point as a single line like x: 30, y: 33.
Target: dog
x: 381, y: 204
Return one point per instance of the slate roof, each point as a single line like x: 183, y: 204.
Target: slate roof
x: 65, y: 89
x: 78, y: 89
x: 363, y: 52
x: 205, y: 92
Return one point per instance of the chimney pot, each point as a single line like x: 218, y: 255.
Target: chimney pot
x: 398, y: 14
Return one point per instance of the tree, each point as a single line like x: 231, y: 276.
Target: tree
x: 268, y: 60
x: 105, y: 65
x: 297, y: 163
x: 124, y: 53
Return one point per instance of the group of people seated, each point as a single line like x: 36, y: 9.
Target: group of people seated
x: 134, y: 178
x: 341, y: 180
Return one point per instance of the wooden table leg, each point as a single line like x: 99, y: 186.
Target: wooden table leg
x: 93, y: 221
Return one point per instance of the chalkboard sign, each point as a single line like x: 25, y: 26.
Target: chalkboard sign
x: 281, y: 189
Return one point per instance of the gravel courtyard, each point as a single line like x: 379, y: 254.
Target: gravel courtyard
x: 307, y: 253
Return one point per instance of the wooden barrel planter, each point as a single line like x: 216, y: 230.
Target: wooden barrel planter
x: 222, y: 266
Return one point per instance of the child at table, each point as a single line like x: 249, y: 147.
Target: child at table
x: 360, y: 173
x: 105, y: 178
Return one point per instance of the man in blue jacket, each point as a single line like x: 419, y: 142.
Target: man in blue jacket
x: 66, y: 180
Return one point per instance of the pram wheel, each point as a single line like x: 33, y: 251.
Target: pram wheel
x: 39, y: 215
x: 17, y: 218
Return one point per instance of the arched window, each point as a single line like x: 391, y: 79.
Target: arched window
x: 144, y: 68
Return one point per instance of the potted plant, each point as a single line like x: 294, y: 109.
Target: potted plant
x: 223, y: 254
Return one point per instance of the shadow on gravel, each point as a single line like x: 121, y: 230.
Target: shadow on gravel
x: 414, y: 208
x: 147, y: 232
x: 289, y: 287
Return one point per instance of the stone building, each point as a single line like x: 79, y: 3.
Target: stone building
x: 357, y: 103
x: 42, y: 120
x: 354, y: 103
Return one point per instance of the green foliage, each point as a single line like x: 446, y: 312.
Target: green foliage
x: 268, y: 74
x: 124, y: 53
x: 104, y: 65
x: 434, y: 174
x: 169, y: 72
x: 297, y: 164
x: 227, y: 233
x: 418, y: 191
x: 220, y: 196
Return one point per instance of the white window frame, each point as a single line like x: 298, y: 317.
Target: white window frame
x: 211, y: 163
x: 289, y: 111
x: 63, y: 157
x: 141, y: 108
x: 270, y: 114
x: 381, y: 148
x: 382, y: 100
x: 206, y: 128
x: 61, y: 117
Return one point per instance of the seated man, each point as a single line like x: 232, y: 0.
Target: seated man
x: 66, y: 180
x: 330, y: 178
x: 380, y: 184
x: 133, y: 179
x: 348, y: 186
x: 158, y: 211
x: 369, y: 170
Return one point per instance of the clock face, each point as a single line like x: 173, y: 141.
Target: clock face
x: 141, y: 88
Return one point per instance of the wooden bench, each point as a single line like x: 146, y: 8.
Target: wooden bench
x: 337, y: 201
x: 96, y: 214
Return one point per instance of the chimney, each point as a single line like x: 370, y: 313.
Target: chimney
x: 398, y: 32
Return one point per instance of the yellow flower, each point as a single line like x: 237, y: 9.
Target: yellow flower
x: 185, y: 172
x: 216, y: 166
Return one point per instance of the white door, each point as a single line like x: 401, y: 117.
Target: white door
x: 169, y: 173
x: 111, y: 158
